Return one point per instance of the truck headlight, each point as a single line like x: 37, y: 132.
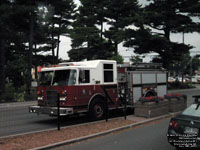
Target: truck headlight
x: 63, y: 95
x: 40, y: 98
x: 62, y: 98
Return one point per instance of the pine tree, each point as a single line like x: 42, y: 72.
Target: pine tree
x: 60, y: 23
x: 120, y: 14
x: 87, y: 40
x: 89, y: 37
x: 5, y: 7
x: 159, y: 19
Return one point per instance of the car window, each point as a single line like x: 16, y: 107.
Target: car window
x: 193, y: 110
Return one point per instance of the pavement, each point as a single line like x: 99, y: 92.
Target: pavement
x: 137, y: 122
x: 17, y: 104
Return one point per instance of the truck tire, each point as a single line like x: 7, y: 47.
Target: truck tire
x: 97, y: 109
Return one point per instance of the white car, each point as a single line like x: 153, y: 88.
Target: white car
x: 194, y: 79
x: 184, y: 79
x: 171, y: 79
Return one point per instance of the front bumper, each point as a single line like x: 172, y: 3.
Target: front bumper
x: 53, y: 111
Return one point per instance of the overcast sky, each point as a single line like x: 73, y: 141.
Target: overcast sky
x: 190, y: 38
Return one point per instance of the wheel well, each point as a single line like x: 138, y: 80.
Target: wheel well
x: 99, y: 97
x: 97, y: 108
x: 150, y: 93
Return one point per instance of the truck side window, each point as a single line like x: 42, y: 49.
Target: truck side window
x: 108, y: 72
x: 84, y: 76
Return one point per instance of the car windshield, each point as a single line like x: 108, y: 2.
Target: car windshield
x: 193, y: 110
x: 57, y: 78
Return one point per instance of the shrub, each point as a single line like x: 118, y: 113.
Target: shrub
x: 8, y: 95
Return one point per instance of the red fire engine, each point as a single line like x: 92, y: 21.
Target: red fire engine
x: 92, y: 86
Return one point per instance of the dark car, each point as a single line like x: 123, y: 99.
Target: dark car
x: 184, y: 129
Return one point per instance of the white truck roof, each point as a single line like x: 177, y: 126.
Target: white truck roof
x: 75, y: 65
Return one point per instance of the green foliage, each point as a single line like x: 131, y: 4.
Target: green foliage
x: 120, y: 14
x: 159, y: 19
x: 136, y: 59
x: 16, y: 73
x: 195, y: 63
x: 88, y: 34
x: 23, y: 42
x: 12, y: 94
x: 186, y: 65
x: 59, y: 23
x: 9, y: 93
x: 118, y: 58
x: 30, y: 97
x: 96, y: 51
x: 5, y: 32
x: 19, y: 97
x: 86, y: 39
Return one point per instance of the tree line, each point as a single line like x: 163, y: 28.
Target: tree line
x: 29, y: 29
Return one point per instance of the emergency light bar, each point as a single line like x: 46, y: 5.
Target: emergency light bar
x: 66, y: 64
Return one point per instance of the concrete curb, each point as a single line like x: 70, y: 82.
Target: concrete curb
x: 103, y: 133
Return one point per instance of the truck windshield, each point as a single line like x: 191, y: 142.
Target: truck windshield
x: 57, y: 78
x: 45, y: 78
x: 64, y: 77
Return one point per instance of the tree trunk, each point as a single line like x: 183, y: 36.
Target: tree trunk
x: 116, y: 48
x: 52, y: 49
x: 36, y: 64
x: 167, y: 32
x: 58, y: 43
x: 167, y: 52
x: 58, y: 48
x: 101, y: 34
x: 53, y: 44
x: 30, y: 53
x: 102, y: 16
x: 2, y: 66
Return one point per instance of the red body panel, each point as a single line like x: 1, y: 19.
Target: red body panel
x: 121, y: 70
x: 79, y: 96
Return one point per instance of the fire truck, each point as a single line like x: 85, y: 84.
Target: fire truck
x: 96, y: 86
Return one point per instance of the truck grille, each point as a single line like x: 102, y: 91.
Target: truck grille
x: 52, y: 97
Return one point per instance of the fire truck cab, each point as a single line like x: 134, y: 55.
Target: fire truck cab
x: 93, y: 86
x: 81, y: 85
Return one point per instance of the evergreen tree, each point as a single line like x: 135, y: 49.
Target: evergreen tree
x: 24, y: 36
x: 60, y: 23
x: 159, y: 19
x: 87, y: 36
x: 5, y: 6
x: 120, y: 14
